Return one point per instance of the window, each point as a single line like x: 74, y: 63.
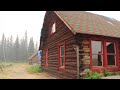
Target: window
x: 104, y: 53
x: 111, y: 53
x: 53, y: 28
x: 46, y: 57
x: 97, y: 53
x: 61, y: 55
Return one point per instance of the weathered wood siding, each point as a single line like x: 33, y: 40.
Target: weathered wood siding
x: 84, y: 44
x: 62, y: 34
x: 84, y: 51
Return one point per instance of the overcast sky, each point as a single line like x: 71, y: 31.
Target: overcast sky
x: 16, y: 22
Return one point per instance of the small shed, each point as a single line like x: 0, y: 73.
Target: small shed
x: 33, y: 59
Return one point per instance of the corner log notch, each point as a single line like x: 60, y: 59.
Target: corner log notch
x: 76, y: 47
x: 83, y: 55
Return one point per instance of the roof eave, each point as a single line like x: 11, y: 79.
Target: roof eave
x: 65, y: 23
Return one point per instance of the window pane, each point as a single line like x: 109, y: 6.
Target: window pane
x: 96, y: 47
x: 62, y: 50
x: 111, y: 53
x: 62, y: 61
x: 53, y: 28
x: 97, y: 56
x: 111, y: 59
x: 97, y: 60
x: 110, y: 47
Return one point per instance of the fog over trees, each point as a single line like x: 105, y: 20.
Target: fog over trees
x: 19, y: 50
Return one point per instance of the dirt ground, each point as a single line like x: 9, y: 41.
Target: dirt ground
x: 111, y: 77
x: 18, y: 71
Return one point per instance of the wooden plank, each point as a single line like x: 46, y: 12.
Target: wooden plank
x: 71, y: 56
x: 86, y: 57
x: 71, y: 60
x: 86, y: 62
x: 77, y: 51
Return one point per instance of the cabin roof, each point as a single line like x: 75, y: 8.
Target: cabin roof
x: 89, y: 23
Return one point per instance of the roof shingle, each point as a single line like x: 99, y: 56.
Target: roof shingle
x: 89, y: 23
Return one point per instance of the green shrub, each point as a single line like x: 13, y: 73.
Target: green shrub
x: 107, y: 73
x: 34, y: 69
x: 93, y: 75
x: 117, y: 73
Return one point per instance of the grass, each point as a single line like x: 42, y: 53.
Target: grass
x: 96, y: 75
x: 93, y: 75
x: 18, y: 71
x: 107, y: 73
x: 34, y: 69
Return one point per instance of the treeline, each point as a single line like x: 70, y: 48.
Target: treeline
x: 18, y: 50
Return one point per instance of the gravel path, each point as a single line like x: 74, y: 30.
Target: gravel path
x: 18, y: 71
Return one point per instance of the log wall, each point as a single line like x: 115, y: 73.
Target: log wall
x: 62, y: 34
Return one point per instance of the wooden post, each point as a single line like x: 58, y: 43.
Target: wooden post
x: 77, y: 53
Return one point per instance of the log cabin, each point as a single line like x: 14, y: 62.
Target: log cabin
x: 33, y: 59
x: 73, y: 41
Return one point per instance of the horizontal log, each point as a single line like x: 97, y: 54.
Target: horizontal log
x: 86, y: 66
x: 52, y: 47
x: 71, y: 63
x: 71, y: 71
x: 86, y: 54
x: 61, y: 74
x: 70, y: 42
x: 70, y: 49
x: 69, y: 46
x: 52, y: 68
x: 70, y: 56
x: 51, y: 60
x: 85, y: 46
x: 71, y: 60
x: 71, y: 53
x: 87, y: 50
x: 71, y: 68
x: 86, y: 57
x: 59, y: 35
x: 86, y: 62
x: 52, y: 53
x: 54, y: 57
x: 53, y: 65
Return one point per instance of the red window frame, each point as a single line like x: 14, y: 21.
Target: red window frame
x: 105, y: 61
x: 116, y: 53
x: 59, y: 56
x: 97, y: 54
x: 46, y: 57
